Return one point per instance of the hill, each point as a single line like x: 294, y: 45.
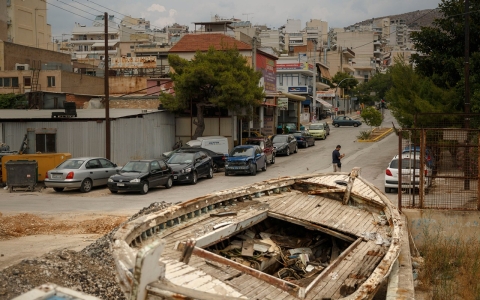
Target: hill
x: 414, y: 19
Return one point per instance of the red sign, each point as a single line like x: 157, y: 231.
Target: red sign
x: 336, y: 108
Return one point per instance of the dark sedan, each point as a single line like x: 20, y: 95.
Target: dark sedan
x: 245, y: 159
x: 304, y: 138
x: 285, y: 144
x: 189, y: 166
x: 140, y: 176
x: 345, y: 121
x: 218, y: 158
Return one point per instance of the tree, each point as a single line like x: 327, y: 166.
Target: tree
x: 372, y: 117
x: 380, y: 83
x: 441, y: 50
x: 217, y: 77
x: 412, y: 93
x: 347, y: 84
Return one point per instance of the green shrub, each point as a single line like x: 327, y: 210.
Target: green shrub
x: 364, y: 135
x: 7, y: 101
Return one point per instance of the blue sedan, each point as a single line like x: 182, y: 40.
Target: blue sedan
x: 245, y: 159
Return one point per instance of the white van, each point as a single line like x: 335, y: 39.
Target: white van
x: 217, y: 144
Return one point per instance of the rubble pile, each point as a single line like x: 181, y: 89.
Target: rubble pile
x: 91, y: 270
x: 281, y: 249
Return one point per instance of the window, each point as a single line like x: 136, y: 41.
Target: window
x: 45, y: 142
x: 50, y: 81
x: 129, y: 54
x: 6, y: 82
x: 93, y: 164
x: 106, y: 163
x: 1, y: 82
x: 155, y: 166
x: 14, y: 81
x: 27, y: 81
x: 85, y: 48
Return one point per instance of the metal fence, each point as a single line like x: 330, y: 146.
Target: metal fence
x: 447, y: 161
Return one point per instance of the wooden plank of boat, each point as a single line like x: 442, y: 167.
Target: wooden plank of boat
x: 314, y: 212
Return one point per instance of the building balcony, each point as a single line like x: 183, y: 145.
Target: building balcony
x: 348, y: 67
x: 377, y: 42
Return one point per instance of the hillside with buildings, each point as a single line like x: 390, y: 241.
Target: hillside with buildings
x: 414, y: 19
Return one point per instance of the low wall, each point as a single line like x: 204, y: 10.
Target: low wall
x: 454, y: 224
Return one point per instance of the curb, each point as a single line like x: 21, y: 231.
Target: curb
x: 390, y: 130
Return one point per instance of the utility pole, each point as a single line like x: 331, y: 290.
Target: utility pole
x: 466, y: 164
x: 107, y: 92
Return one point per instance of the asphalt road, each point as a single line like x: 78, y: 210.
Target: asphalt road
x: 372, y: 158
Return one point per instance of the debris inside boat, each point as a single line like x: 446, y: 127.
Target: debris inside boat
x: 317, y: 236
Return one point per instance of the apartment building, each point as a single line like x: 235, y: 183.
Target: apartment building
x: 25, y: 23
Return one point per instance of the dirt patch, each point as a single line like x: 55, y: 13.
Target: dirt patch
x: 90, y: 270
x: 29, y: 224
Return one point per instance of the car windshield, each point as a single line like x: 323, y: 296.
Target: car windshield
x: 71, y: 164
x: 279, y: 139
x: 181, y: 158
x: 136, y: 166
x: 316, y: 127
x: 406, y: 164
x: 236, y: 152
x: 297, y: 134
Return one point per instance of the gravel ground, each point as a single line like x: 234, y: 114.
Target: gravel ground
x: 91, y: 270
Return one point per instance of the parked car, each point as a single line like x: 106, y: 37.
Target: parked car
x: 304, y: 138
x: 266, y: 145
x: 189, y: 166
x: 289, y: 126
x: 410, y: 173
x: 345, y: 121
x: 319, y: 130
x: 285, y: 144
x: 217, y: 144
x: 140, y: 176
x: 245, y: 159
x: 82, y: 173
x: 218, y: 158
x: 246, y: 136
x: 429, y: 157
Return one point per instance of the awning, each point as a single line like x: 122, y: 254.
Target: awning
x: 102, y: 44
x: 293, y: 97
x: 324, y: 103
x: 321, y: 86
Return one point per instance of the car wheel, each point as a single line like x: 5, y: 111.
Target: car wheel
x: 336, y: 125
x: 194, y: 178
x: 169, y: 183
x: 145, y: 187
x: 355, y: 125
x: 215, y: 168
x: 253, y: 169
x: 210, y: 173
x: 265, y: 166
x: 273, y: 159
x: 387, y: 190
x: 296, y: 149
x: 113, y: 191
x: 86, y: 185
x: 313, y: 143
x: 306, y: 144
x: 288, y: 151
x: 57, y: 189
x: 226, y: 173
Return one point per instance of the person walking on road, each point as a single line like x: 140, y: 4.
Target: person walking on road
x: 336, y: 157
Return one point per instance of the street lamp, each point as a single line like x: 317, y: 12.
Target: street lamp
x: 336, y: 95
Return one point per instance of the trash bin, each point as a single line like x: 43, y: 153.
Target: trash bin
x: 21, y: 173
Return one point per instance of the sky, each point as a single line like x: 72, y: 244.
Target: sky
x: 63, y: 14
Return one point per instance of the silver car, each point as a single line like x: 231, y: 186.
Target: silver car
x: 81, y: 173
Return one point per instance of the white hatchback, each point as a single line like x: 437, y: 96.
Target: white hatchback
x: 410, y: 173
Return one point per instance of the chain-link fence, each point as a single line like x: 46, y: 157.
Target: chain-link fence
x: 439, y: 166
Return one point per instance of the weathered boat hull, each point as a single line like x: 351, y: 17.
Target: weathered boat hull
x: 359, y: 223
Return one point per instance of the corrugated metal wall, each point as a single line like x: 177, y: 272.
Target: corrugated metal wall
x: 131, y: 138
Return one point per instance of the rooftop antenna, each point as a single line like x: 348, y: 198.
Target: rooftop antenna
x: 247, y: 14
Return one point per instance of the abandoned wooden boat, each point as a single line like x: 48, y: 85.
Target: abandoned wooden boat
x: 318, y: 236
